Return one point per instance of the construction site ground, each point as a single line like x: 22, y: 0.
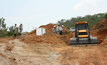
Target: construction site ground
x: 53, y: 49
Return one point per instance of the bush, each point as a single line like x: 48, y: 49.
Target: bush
x: 3, y: 33
x: 105, y: 16
x: 91, y: 19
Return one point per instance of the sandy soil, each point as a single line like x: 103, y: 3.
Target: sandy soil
x: 84, y: 55
x: 51, y: 54
x: 30, y: 54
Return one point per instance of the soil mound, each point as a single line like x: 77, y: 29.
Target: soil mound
x: 49, y: 37
x: 33, y: 32
x: 48, y: 27
x: 100, y: 30
x: 105, y: 20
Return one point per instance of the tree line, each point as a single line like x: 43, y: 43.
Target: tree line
x: 91, y: 19
x: 4, y: 30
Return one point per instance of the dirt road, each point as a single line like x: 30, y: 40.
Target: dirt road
x: 51, y: 54
x: 82, y: 55
x: 4, y: 61
x: 31, y: 54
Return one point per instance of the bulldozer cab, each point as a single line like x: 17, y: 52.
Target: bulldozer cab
x: 81, y: 26
x: 82, y: 30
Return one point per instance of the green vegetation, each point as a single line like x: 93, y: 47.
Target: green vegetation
x: 91, y: 19
x: 4, y: 29
x: 105, y: 16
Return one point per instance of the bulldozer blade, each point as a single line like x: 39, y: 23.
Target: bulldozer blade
x: 83, y: 41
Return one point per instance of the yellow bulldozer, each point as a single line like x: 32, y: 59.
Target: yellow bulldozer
x: 82, y: 35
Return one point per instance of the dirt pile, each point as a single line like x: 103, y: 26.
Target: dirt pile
x: 100, y: 30
x: 49, y: 37
x: 48, y: 27
x: 105, y: 20
x: 33, y: 32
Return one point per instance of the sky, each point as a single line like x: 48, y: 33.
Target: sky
x: 33, y: 13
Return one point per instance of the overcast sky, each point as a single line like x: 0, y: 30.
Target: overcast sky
x: 33, y: 13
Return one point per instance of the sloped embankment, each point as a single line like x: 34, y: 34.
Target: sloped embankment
x: 100, y: 30
x: 49, y: 37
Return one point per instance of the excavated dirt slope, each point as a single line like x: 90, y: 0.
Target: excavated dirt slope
x: 49, y: 37
x: 100, y: 30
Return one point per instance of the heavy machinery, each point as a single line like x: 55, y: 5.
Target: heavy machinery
x: 82, y: 35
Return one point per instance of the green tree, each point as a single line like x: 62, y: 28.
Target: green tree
x: 11, y: 31
x: 91, y: 19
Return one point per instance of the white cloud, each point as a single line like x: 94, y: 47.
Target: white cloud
x: 86, y: 7
x: 86, y: 4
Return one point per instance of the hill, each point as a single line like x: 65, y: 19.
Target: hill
x: 91, y: 19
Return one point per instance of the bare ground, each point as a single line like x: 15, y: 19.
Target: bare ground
x: 51, y: 54
x: 29, y: 54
